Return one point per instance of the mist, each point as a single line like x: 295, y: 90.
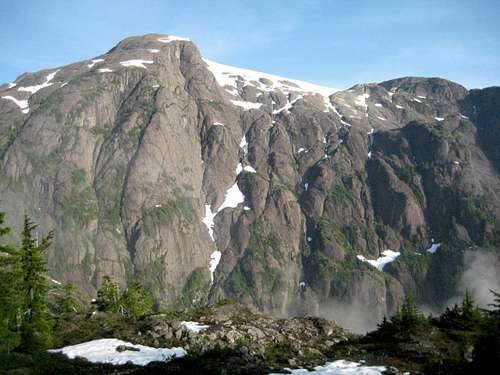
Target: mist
x: 481, y: 273
x: 355, y: 317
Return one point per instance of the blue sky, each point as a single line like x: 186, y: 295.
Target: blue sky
x: 335, y: 43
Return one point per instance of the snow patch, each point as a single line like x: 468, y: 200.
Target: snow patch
x: 306, y: 186
x: 214, y: 262
x: 302, y: 149
x: 36, y: 88
x: 153, y: 50
x: 439, y: 118
x: 378, y: 105
x: 246, y: 105
x: 361, y: 100
x: 11, y: 85
x: 218, y: 124
x: 399, y: 107
x: 249, y: 169
x: 233, y: 197
x: 381, y: 118
x: 104, y: 70
x: 95, y: 61
x: 416, y: 100
x: 23, y: 104
x: 139, y: 63
x: 194, y: 326
x: 286, y: 108
x: 434, y: 247
x: 341, y: 367
x: 244, y: 145
x: 208, y: 220
x: 173, y: 38
x: 388, y: 257
x: 105, y: 351
x: 369, y: 155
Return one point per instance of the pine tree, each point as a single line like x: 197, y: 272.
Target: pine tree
x: 137, y: 301
x: 10, y: 304
x: 109, y: 296
x: 36, y: 324
x: 68, y: 301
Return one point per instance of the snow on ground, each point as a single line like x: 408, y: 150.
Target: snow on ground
x: 378, y: 105
x: 371, y: 131
x: 286, y: 108
x: 306, y: 186
x: 154, y: 50
x: 246, y: 208
x: 462, y: 116
x: 342, y: 367
x: 302, y: 149
x: 104, y: 351
x: 36, y: 88
x: 194, y: 326
x: 229, y: 76
x: 381, y: 118
x: 433, y: 247
x: 369, y: 155
x: 95, y: 61
x: 23, y: 104
x: 239, y: 168
x: 139, y: 63
x: 56, y: 282
x: 345, y: 123
x: 173, y: 38
x: 249, y: 169
x: 246, y: 105
x: 388, y: 257
x: 422, y: 97
x: 218, y: 124
x: 208, y: 220
x: 214, y: 262
x: 416, y: 100
x: 244, y: 144
x: 104, y: 70
x: 361, y: 100
x: 11, y: 85
x: 399, y: 107
x: 439, y: 118
x: 233, y: 197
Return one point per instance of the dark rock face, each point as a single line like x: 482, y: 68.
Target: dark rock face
x: 120, y: 155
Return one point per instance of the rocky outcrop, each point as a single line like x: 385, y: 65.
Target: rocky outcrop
x: 136, y: 156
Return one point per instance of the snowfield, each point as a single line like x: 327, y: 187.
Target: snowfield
x: 105, y: 351
x: 342, y: 367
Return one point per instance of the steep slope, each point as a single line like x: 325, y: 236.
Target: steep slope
x: 205, y: 181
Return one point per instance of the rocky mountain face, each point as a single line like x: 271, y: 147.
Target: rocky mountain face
x: 206, y: 181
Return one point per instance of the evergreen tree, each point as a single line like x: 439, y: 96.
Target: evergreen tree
x: 487, y: 349
x: 137, y: 301
x: 109, y: 296
x: 67, y: 300
x: 10, y: 304
x: 36, y: 325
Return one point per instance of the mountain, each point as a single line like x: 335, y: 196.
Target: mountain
x: 206, y: 181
